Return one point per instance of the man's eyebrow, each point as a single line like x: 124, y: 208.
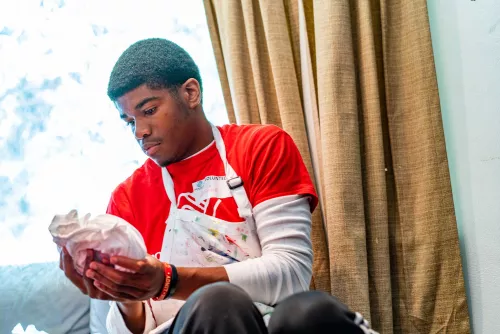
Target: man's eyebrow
x: 146, y: 100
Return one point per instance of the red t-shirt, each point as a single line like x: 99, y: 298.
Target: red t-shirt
x: 264, y: 156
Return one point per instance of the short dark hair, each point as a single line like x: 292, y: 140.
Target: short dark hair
x: 156, y: 62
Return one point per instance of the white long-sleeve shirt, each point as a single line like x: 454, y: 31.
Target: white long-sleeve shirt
x: 285, y: 267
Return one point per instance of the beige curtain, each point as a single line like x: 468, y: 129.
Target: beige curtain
x: 354, y: 84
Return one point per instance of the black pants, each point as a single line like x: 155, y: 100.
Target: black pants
x: 223, y: 308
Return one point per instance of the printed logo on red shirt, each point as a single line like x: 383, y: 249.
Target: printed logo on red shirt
x: 206, y: 196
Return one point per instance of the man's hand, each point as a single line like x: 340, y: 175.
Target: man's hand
x: 83, y: 283
x: 144, y: 282
x: 100, y: 281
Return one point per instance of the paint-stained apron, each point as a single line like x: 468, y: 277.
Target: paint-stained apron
x: 195, y: 239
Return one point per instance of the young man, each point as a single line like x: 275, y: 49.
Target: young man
x: 214, y: 205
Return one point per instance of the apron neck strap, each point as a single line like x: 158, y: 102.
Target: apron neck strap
x: 219, y: 143
x: 238, y: 191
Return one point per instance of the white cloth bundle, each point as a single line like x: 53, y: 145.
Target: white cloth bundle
x: 107, y: 234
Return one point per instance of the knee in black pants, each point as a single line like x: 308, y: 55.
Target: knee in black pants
x: 312, y: 312
x: 219, y: 308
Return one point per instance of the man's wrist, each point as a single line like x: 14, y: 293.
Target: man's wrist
x: 167, y: 278
x: 160, y: 288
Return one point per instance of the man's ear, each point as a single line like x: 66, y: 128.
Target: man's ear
x: 191, y: 93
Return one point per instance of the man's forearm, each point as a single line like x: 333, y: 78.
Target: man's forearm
x: 134, y: 316
x: 190, y: 279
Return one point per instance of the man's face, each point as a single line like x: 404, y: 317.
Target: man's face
x: 161, y: 122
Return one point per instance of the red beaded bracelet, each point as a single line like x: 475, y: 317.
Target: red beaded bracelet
x: 166, y: 285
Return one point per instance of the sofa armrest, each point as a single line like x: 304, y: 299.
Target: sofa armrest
x: 41, y: 295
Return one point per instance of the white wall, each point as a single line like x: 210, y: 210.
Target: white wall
x: 466, y: 41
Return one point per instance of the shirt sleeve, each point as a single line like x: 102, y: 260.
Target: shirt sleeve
x: 119, y: 205
x: 276, y: 168
x: 116, y: 325
x: 285, y: 267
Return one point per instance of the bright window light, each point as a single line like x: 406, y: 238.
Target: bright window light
x: 62, y: 144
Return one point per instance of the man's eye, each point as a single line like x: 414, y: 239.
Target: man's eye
x: 130, y: 123
x: 150, y: 111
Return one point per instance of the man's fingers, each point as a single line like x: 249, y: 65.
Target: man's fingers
x: 89, y: 285
x: 89, y: 258
x: 77, y: 280
x: 111, y: 286
x: 66, y: 261
x: 94, y: 275
x: 128, y: 263
x: 116, y: 276
x: 117, y: 296
x: 88, y: 282
x: 61, y: 260
x: 92, y: 290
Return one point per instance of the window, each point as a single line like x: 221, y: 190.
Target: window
x: 62, y: 144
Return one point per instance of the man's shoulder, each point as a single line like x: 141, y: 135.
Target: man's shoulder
x: 249, y: 134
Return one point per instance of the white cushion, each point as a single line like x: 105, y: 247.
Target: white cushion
x: 40, y: 294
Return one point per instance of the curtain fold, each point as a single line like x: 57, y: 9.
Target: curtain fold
x: 354, y: 84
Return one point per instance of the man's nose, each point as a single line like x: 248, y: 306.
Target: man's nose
x: 142, y: 130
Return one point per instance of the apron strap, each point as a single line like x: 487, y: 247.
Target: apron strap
x: 168, y: 183
x: 234, y: 182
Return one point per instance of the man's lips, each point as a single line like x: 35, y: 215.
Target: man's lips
x: 150, y: 149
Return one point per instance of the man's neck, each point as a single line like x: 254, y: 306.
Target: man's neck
x: 199, y: 152
x: 204, y: 135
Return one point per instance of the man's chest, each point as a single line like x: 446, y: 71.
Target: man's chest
x: 207, y: 194
x: 204, y: 190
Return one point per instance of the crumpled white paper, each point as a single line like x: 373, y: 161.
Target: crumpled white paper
x: 105, y: 233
